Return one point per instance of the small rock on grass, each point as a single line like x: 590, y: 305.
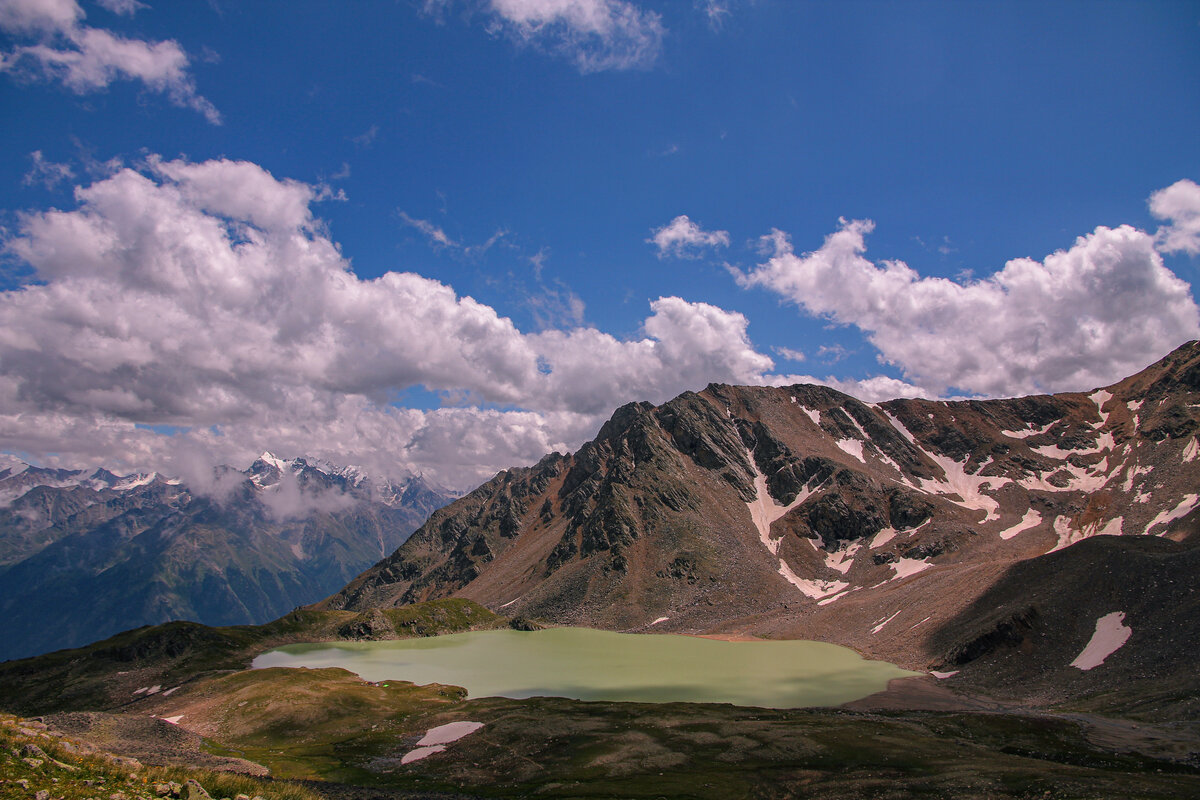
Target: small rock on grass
x: 33, y: 751
x: 192, y: 790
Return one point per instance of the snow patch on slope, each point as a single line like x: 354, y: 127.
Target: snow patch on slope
x: 1185, y: 507
x: 1100, y: 397
x: 436, y: 739
x: 764, y: 510
x: 842, y: 560
x: 1028, y: 433
x: 883, y: 537
x: 1066, y: 536
x: 1111, y: 634
x: 816, y: 589
x: 909, y: 566
x: 879, y: 627
x: 958, y: 481
x: 852, y: 446
x: 1031, y: 520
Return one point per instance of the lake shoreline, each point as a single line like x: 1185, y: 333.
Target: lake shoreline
x: 922, y: 693
x: 587, y: 664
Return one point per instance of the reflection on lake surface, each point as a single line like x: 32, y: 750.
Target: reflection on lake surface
x: 598, y: 665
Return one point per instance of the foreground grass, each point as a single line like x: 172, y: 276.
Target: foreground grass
x: 35, y: 761
x: 328, y: 725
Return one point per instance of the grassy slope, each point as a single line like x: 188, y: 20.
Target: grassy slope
x: 103, y: 676
x: 75, y: 771
x: 328, y: 725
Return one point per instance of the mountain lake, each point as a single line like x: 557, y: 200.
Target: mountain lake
x: 586, y: 664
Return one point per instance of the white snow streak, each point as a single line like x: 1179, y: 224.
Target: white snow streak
x: 879, y: 627
x: 812, y: 588
x: 1110, y: 635
x: 1031, y: 520
x: 660, y: 619
x: 1052, y: 451
x: 968, y: 487
x: 1027, y: 434
x: 813, y: 413
x: 1185, y: 507
x: 764, y: 510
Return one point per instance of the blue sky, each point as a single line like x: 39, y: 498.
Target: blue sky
x: 525, y: 154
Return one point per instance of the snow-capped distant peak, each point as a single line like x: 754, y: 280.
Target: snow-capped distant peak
x: 12, y: 464
x: 134, y: 481
x: 353, y: 473
x: 270, y: 459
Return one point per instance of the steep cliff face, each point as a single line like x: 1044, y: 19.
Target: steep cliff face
x: 800, y: 511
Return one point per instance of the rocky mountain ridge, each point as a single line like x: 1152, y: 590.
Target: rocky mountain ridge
x: 105, y: 552
x: 799, y: 511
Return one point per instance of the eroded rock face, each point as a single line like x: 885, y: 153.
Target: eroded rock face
x: 806, y: 511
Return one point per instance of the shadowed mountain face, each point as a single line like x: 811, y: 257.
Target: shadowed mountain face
x: 904, y: 529
x: 83, y: 556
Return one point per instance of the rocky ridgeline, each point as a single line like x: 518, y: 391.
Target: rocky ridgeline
x: 799, y: 511
x: 41, y: 763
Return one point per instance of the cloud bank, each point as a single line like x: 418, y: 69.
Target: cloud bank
x: 188, y: 314
x: 207, y: 296
x: 1079, y: 318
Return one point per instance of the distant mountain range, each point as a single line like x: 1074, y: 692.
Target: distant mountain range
x: 85, y: 555
x: 983, y: 539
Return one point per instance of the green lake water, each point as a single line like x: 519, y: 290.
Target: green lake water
x: 598, y: 665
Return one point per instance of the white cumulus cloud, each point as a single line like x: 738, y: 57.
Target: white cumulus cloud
x: 683, y: 238
x: 87, y: 59
x: 1079, y: 318
x: 207, y: 296
x: 1179, y: 203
